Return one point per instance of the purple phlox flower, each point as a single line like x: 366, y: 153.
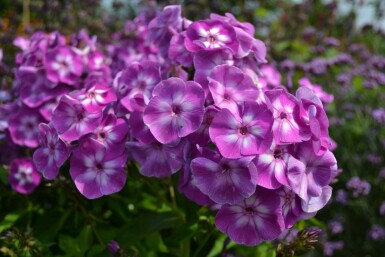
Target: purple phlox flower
x: 225, y: 180
x: 139, y: 130
x: 201, y: 136
x: 95, y: 97
x: 317, y: 66
x: 63, y: 64
x: 291, y: 207
x: 288, y: 235
x: 271, y: 78
x: 72, y: 120
x: 285, y: 108
x: 23, y: 127
x: 272, y: 167
x: 96, y: 61
x: 39, y: 90
x: 244, y: 32
x: 144, y: 76
x: 187, y: 182
x: 159, y: 160
x: 205, y: 61
x: 6, y: 111
x: 175, y: 110
x: 113, y: 246
x: 316, y: 203
x: 377, y: 232
x: 51, y: 154
x: 23, y: 176
x: 178, y: 52
x: 230, y: 86
x: 22, y: 43
x: 359, y: 187
x: 317, y: 89
x: 209, y: 35
x: 314, y: 120
x: 335, y: 226
x: 166, y: 24
x: 331, y: 41
x: 255, y: 219
x: 97, y: 171
x: 112, y: 133
x: 47, y: 108
x: 331, y: 246
x: 243, y: 133
x: 309, y: 174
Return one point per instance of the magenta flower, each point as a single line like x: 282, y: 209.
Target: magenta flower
x: 209, y: 35
x: 230, y: 86
x: 175, y: 110
x: 24, y: 127
x: 308, y: 173
x: 139, y: 130
x: 255, y: 219
x: 178, y: 52
x: 285, y: 109
x: 96, y: 170
x: 201, y: 136
x: 23, y: 176
x: 272, y: 167
x: 51, y: 154
x: 317, y: 89
x: 246, y: 132
x: 63, y: 64
x: 71, y: 120
x: 215, y: 177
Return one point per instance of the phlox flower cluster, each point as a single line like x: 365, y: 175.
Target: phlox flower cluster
x: 196, y: 97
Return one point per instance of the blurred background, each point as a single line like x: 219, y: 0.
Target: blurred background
x: 338, y: 45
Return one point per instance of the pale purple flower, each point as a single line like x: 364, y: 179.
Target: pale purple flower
x: 359, y: 187
x: 379, y: 115
x: 71, y: 120
x: 255, y: 219
x: 51, y: 154
x: 285, y: 108
x: 331, y: 246
x: 309, y: 174
x: 23, y: 176
x: 175, y: 110
x: 244, y: 133
x: 382, y: 208
x: 23, y: 127
x: 377, y: 232
x: 230, y: 86
x: 97, y: 171
x: 63, y: 64
x: 272, y: 167
x: 335, y: 227
x: 341, y: 196
x: 270, y: 76
x: 178, y: 52
x: 95, y: 97
x: 209, y: 35
x: 216, y: 177
x: 317, y: 89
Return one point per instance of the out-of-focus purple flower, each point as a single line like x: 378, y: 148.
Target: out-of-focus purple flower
x: 379, y: 115
x: 23, y: 175
x: 341, y: 196
x: 175, y: 110
x: 24, y: 127
x: 178, y: 52
x: 64, y: 65
x: 97, y: 171
x: 331, y: 41
x: 245, y: 132
x: 255, y: 219
x: 271, y: 77
x: 51, y: 154
x: 359, y: 187
x: 113, y: 246
x: 210, y: 35
x: 159, y: 160
x: 382, y: 208
x: 335, y: 227
x: 330, y: 246
x: 377, y: 232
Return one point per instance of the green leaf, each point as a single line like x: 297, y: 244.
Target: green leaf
x: 3, y: 175
x: 69, y: 246
x: 9, y: 220
x: 84, y: 239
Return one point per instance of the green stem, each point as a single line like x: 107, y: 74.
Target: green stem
x: 203, y: 243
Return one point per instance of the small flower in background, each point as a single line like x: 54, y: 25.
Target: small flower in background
x: 341, y: 196
x: 379, y: 115
x: 113, y: 246
x: 23, y: 175
x: 382, y: 209
x: 359, y: 187
x: 331, y: 246
x: 335, y: 226
x: 376, y: 232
